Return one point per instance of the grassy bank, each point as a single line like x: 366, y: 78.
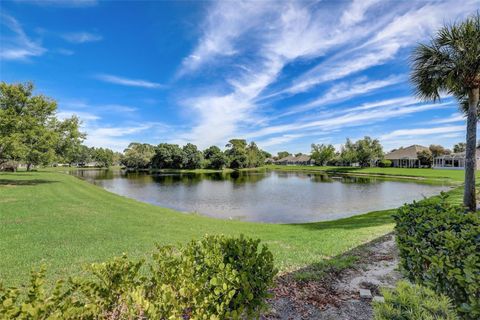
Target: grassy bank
x: 55, y: 219
x: 453, y: 175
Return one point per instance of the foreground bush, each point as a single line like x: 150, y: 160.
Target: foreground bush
x: 413, y: 302
x: 439, y: 247
x: 215, y: 278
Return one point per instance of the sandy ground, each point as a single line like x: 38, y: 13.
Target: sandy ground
x: 336, y: 296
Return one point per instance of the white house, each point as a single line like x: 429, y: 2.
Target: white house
x: 453, y: 161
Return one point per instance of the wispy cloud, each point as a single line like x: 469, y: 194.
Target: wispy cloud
x: 417, y: 22
x: 456, y: 117
x: 128, y: 81
x: 419, y: 132
x: 17, y: 45
x: 81, y: 37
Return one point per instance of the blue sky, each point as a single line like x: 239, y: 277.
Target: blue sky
x: 282, y: 73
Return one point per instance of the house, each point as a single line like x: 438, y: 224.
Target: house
x: 301, y: 160
x: 454, y: 161
x: 406, y: 157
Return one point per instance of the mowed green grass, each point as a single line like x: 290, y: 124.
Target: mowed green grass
x: 454, y: 175
x: 62, y: 222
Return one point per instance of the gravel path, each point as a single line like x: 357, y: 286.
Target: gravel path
x: 336, y: 296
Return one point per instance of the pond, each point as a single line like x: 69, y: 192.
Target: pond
x: 264, y: 196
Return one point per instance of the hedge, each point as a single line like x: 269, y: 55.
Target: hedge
x: 214, y: 278
x: 439, y: 246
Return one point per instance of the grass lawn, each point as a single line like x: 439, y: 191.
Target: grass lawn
x: 453, y: 175
x: 55, y: 219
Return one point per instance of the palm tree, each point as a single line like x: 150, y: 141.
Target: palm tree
x: 450, y: 64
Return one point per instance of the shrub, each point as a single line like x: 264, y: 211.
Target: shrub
x: 214, y: 278
x: 385, y: 163
x: 413, y: 302
x: 439, y: 246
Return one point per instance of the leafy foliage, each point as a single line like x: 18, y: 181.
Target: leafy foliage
x: 214, y: 158
x: 425, y: 157
x: 30, y: 131
x: 385, y: 163
x: 364, y: 151
x: 322, y: 153
x: 138, y: 155
x: 413, y: 302
x: 439, y: 247
x: 214, y: 278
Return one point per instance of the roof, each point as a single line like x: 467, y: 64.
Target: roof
x: 457, y: 155
x: 406, y: 153
x: 300, y: 158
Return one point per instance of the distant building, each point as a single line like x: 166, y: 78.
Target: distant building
x: 301, y: 160
x: 406, y: 157
x: 454, y: 161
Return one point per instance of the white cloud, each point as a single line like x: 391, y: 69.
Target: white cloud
x: 17, y: 46
x: 419, y: 132
x: 129, y: 82
x: 83, y: 115
x: 345, y: 91
x: 81, y: 37
x: 416, y: 22
x: 456, y: 117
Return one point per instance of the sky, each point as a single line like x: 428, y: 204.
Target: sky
x: 284, y: 74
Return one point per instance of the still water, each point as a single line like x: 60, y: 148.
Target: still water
x: 271, y: 196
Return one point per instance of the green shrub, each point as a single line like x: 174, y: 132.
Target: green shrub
x: 413, y: 302
x: 385, y: 163
x: 439, y: 246
x: 214, y: 278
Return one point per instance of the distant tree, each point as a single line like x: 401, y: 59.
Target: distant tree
x: 215, y: 158
x: 283, y: 154
x: 138, y: 155
x: 368, y: 150
x: 103, y: 156
x: 237, y: 153
x: 322, y: 153
x: 266, y: 154
x: 83, y: 156
x: 193, y: 158
x: 459, y: 147
x: 298, y: 154
x: 437, y: 150
x: 348, y: 153
x: 168, y: 156
x: 425, y: 157
x: 450, y: 64
x: 69, y: 139
x: 255, y: 156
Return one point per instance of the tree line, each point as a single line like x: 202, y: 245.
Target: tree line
x: 238, y: 154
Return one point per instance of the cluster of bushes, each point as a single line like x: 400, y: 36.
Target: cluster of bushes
x: 239, y: 154
x: 413, y: 302
x: 214, y: 278
x: 439, y: 247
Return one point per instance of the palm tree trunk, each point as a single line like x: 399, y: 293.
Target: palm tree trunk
x: 469, y: 197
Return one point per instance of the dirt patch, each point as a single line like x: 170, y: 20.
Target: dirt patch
x: 335, y: 295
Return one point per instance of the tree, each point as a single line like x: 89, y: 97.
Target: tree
x: 236, y: 153
x: 29, y: 129
x: 255, y: 156
x: 192, y: 157
x: 348, y: 153
x: 283, y: 154
x: 450, y: 64
x: 425, y: 157
x: 168, y: 156
x: 368, y: 150
x: 215, y: 158
x: 459, y: 147
x: 138, y: 155
x: 437, y: 150
x: 69, y: 139
x: 322, y: 153
x: 103, y: 156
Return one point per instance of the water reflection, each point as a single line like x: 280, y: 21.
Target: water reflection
x: 277, y: 197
